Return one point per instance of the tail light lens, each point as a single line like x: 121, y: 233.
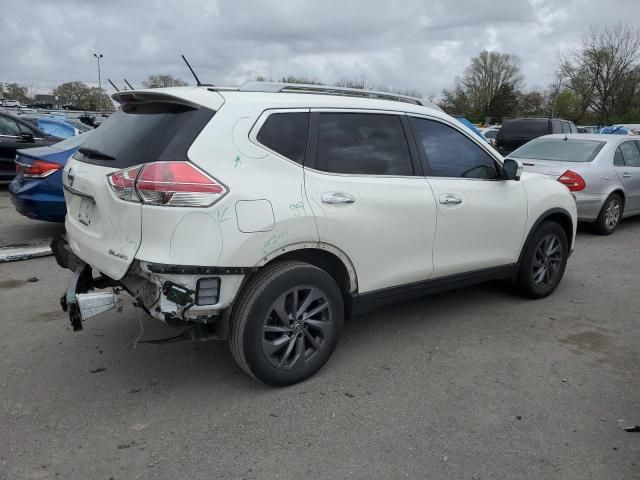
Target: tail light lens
x: 573, y: 181
x: 123, y: 183
x: 37, y: 169
x: 176, y: 184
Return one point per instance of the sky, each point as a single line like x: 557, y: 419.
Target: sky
x: 408, y: 44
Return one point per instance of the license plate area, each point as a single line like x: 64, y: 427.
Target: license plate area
x: 86, y: 211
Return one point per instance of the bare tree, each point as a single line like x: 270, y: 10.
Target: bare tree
x: 161, y: 80
x: 488, y: 74
x: 302, y: 80
x: 601, y: 68
x: 362, y: 81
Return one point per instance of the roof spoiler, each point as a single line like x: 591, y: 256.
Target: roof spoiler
x: 145, y: 96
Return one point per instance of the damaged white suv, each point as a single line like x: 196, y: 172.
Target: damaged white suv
x: 267, y: 214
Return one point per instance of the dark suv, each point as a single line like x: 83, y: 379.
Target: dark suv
x: 18, y: 133
x: 515, y: 132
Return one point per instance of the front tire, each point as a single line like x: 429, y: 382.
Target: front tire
x: 286, y: 323
x: 609, y: 216
x: 544, y: 261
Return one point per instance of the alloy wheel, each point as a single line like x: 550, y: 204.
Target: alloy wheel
x: 612, y: 213
x: 547, y: 260
x: 296, y: 327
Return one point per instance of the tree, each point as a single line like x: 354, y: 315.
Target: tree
x: 504, y: 102
x: 601, y: 71
x: 161, y: 80
x: 13, y: 91
x: 79, y: 94
x: 489, y: 74
x: 489, y: 88
x: 532, y: 103
x: 303, y: 80
x: 456, y: 101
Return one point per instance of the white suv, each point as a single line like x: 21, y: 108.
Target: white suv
x: 267, y: 214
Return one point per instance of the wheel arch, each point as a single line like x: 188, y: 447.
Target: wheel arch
x: 331, y: 259
x: 558, y: 215
x: 619, y: 191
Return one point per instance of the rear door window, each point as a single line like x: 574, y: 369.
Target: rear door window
x: 630, y: 154
x: 363, y: 143
x: 286, y: 133
x: 450, y: 153
x: 556, y: 127
x: 8, y: 127
x: 144, y: 132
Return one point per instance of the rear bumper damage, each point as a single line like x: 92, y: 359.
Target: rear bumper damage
x: 191, y: 298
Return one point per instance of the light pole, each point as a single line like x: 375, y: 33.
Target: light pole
x: 98, y: 57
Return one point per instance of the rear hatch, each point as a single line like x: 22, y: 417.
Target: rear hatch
x: 102, y: 229
x: 518, y: 131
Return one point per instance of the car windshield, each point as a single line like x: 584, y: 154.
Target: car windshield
x: 560, y: 150
x: 73, y: 142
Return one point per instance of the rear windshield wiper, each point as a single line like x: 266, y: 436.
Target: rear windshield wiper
x: 95, y: 154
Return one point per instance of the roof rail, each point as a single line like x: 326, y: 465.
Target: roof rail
x: 275, y: 87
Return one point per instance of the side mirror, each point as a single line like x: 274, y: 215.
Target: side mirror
x: 512, y: 169
x: 27, y: 137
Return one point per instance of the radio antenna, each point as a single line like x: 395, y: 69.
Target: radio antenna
x: 113, y: 85
x: 198, y: 82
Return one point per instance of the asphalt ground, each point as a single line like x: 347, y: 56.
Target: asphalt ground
x: 472, y: 384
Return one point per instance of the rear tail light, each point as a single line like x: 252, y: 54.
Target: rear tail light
x: 123, y: 183
x: 573, y: 181
x: 177, y: 184
x: 37, y: 169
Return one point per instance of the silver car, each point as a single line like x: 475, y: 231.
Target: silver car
x: 602, y: 171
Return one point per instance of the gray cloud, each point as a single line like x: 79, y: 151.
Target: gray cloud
x: 408, y: 44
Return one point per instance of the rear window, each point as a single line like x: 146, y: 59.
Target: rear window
x: 286, y: 133
x: 144, y: 132
x: 560, y: 150
x: 526, y: 127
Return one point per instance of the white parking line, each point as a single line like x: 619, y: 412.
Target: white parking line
x: 12, y: 253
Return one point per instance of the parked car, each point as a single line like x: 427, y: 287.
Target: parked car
x: 11, y: 103
x: 618, y: 130
x: 602, y: 171
x: 467, y: 123
x: 36, y: 191
x: 267, y: 214
x: 60, y: 127
x: 17, y: 133
x: 515, y: 132
x: 490, y: 133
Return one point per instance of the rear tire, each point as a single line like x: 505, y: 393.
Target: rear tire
x: 544, y: 261
x: 609, y: 216
x: 286, y: 323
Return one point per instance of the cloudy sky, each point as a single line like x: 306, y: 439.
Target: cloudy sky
x: 409, y: 44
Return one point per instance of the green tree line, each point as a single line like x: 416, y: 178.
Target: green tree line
x: 598, y: 82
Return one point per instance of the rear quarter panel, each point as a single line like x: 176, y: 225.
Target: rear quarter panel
x: 264, y: 211
x: 545, y: 195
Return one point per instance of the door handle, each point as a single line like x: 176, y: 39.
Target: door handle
x: 626, y: 175
x: 449, y: 199
x: 333, y: 198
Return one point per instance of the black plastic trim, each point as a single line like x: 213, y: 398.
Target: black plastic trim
x: 436, y: 285
x: 198, y: 270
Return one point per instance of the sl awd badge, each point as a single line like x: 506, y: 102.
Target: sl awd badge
x: 70, y: 177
